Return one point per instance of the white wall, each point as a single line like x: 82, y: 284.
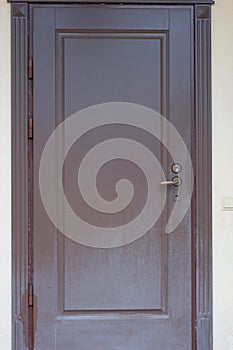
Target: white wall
x: 5, y: 175
x: 222, y: 29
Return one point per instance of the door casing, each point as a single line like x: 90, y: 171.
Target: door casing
x: 22, y: 182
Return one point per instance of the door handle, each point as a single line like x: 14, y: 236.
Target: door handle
x: 176, y: 181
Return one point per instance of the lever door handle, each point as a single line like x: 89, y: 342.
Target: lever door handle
x: 176, y: 181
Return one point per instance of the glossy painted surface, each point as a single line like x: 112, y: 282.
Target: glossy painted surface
x: 137, y: 296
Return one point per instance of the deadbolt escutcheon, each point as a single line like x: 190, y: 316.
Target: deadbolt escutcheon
x: 176, y: 168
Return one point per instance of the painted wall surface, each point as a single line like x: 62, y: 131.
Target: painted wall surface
x: 222, y: 29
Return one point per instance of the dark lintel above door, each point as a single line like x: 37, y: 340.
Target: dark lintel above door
x: 155, y: 2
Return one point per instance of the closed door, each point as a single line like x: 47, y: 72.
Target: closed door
x: 126, y: 291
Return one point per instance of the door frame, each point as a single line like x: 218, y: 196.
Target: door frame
x: 22, y: 293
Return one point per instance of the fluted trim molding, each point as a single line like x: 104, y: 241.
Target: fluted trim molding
x: 19, y: 176
x: 203, y: 178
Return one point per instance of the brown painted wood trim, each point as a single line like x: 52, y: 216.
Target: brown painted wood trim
x: 155, y: 2
x: 203, y: 220
x: 19, y: 176
x: 203, y: 178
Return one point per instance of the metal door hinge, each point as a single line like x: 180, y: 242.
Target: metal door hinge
x: 30, y: 295
x: 30, y: 68
x: 30, y: 128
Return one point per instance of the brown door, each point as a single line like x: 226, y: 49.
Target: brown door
x: 135, y: 296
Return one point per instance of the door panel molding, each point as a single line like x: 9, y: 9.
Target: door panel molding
x: 203, y: 188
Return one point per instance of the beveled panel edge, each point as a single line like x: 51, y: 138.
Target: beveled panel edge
x: 111, y: 314
x: 19, y: 44
x: 203, y: 191
x: 114, y: 315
